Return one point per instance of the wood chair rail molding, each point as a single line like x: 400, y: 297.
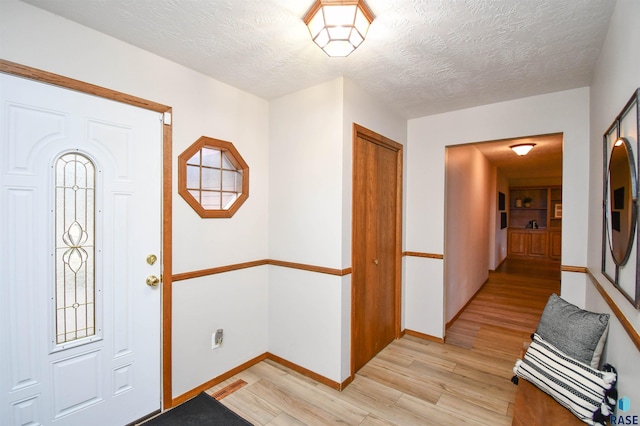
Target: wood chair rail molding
x: 310, y: 268
x: 255, y: 263
x: 566, y: 268
x: 626, y: 324
x: 302, y: 266
x: 421, y: 254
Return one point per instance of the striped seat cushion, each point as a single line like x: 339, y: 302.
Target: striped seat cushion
x: 588, y: 393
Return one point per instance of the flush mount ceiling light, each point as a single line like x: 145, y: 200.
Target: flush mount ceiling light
x: 338, y: 26
x: 523, y: 148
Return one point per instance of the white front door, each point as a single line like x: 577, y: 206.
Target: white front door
x: 80, y: 211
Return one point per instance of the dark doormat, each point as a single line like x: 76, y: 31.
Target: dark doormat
x: 202, y: 410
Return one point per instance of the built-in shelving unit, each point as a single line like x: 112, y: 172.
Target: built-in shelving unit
x: 535, y: 222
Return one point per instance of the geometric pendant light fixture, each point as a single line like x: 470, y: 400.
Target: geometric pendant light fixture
x: 338, y: 27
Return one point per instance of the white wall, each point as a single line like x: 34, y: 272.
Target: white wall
x: 305, y: 226
x: 310, y: 151
x: 305, y: 183
x: 235, y: 302
x: 566, y: 112
x: 306, y: 319
x: 616, y: 77
x: 423, y: 295
x: 201, y: 106
x: 469, y: 207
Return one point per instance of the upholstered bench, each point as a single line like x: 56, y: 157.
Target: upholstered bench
x: 558, y: 375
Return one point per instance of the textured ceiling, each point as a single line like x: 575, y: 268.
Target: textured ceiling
x: 421, y: 57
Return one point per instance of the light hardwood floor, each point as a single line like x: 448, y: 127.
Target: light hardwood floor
x: 414, y: 381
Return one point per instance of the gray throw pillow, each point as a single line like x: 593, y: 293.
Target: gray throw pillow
x: 578, y: 333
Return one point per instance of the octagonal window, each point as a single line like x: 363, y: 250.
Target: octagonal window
x: 213, y: 178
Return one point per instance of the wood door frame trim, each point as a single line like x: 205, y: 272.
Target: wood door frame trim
x: 42, y: 76
x: 371, y: 136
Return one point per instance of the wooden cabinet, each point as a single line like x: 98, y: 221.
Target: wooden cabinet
x: 555, y: 244
x: 528, y: 242
x: 517, y: 242
x: 541, y: 206
x: 538, y: 243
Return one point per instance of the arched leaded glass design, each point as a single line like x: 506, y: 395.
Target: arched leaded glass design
x: 75, y: 248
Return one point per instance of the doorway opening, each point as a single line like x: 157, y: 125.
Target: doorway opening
x: 486, y: 221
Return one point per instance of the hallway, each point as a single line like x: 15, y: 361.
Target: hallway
x: 506, y: 310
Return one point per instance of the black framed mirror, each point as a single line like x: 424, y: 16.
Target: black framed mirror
x: 620, y: 201
x: 620, y: 262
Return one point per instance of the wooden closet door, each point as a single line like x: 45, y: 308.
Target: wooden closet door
x: 376, y: 247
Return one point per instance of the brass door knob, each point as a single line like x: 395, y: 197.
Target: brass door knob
x: 153, y: 281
